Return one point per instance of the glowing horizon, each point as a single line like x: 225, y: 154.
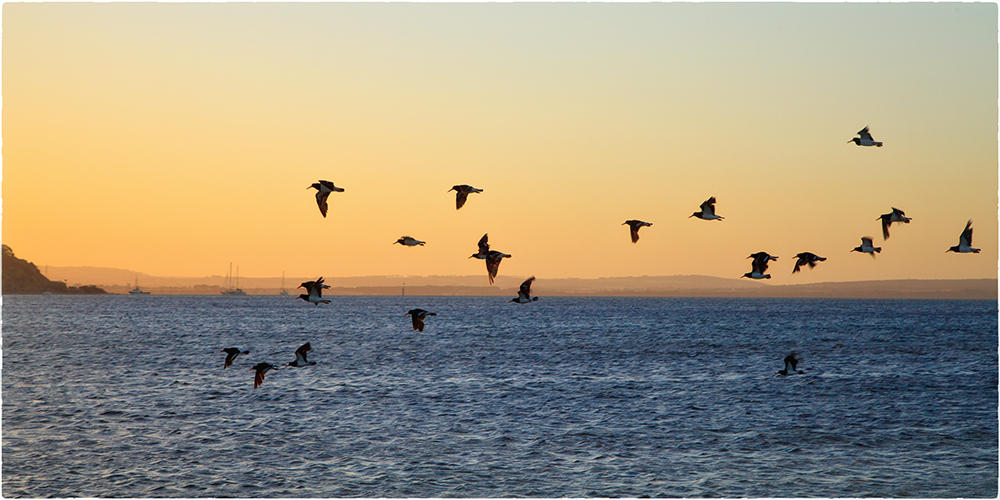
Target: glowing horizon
x: 173, y: 139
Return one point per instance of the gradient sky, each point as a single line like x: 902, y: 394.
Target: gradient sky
x: 175, y: 138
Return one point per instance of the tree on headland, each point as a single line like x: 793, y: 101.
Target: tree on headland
x: 21, y: 276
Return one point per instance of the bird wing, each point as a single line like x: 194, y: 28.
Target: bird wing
x: 493, y: 264
x: 526, y: 288
x: 321, y: 197
x: 865, y: 134
x: 634, y: 230
x: 708, y: 207
x: 300, y: 354
x: 886, y: 222
x: 460, y: 198
x: 966, y: 235
x: 866, y: 241
x: 484, y: 246
x: 798, y: 263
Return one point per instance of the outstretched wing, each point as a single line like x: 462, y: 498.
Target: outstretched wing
x: 321, y: 197
x: 300, y: 354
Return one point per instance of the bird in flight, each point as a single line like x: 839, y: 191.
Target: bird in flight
x: 791, y: 361
x: 865, y: 139
x: 896, y: 215
x: 409, y: 242
x: 300, y: 356
x: 418, y: 315
x: 759, y: 266
x: 867, y: 247
x: 231, y: 353
x: 261, y: 369
x: 634, y: 226
x: 964, y: 241
x: 323, y: 190
x: 807, y: 258
x: 524, y: 293
x: 314, y: 291
x: 707, y: 211
x: 462, y: 192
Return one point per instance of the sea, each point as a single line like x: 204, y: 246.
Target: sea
x: 126, y: 396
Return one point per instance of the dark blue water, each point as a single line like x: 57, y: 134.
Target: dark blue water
x: 123, y: 396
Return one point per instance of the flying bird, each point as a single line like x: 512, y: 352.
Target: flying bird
x: 493, y: 259
x: 524, y: 293
x: 867, y: 247
x: 261, y: 369
x: 634, y: 226
x: 896, y: 215
x: 300, y: 356
x: 462, y: 192
x: 323, y: 190
x: 807, y: 258
x: 865, y: 139
x: 315, y: 292
x: 791, y: 361
x: 964, y: 241
x: 759, y: 266
x: 418, y: 315
x: 484, y: 248
x: 410, y: 242
x: 707, y: 211
x: 231, y: 353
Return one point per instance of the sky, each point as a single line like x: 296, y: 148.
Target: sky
x: 176, y: 138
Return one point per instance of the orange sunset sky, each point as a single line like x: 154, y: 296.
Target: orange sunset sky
x: 175, y: 138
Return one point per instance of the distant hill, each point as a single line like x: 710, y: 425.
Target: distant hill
x: 21, y: 276
x: 120, y: 281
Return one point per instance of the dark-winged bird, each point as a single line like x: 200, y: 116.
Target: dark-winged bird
x: 707, y: 211
x: 865, y: 139
x: 791, y: 361
x: 807, y: 258
x: 323, y: 190
x: 484, y: 248
x: 524, y: 293
x: 896, y: 215
x: 315, y: 292
x: 964, y: 241
x: 634, y: 226
x: 759, y: 266
x: 300, y: 356
x: 231, y: 353
x: 261, y: 369
x: 409, y: 242
x: 462, y: 192
x: 867, y: 247
x: 418, y: 315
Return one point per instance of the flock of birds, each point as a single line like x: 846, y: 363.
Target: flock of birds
x: 758, y: 270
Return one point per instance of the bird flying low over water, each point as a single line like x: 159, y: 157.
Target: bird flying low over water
x: 410, y: 242
x: 484, y: 248
x: 493, y: 259
x: 300, y: 356
x: 261, y: 369
x: 315, y: 292
x: 964, y: 241
x: 759, y: 266
x: 896, y: 215
x: 707, y: 211
x: 231, y: 353
x: 807, y: 258
x: 462, y: 192
x: 524, y: 293
x: 791, y: 361
x: 418, y: 315
x: 867, y: 247
x: 323, y: 190
x: 634, y: 226
x: 865, y: 139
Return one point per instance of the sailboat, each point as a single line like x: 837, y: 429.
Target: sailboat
x: 283, y: 291
x: 230, y: 289
x: 137, y: 290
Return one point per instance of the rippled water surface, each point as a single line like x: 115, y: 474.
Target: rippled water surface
x: 121, y: 396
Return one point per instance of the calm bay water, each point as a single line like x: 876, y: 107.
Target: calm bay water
x: 121, y: 396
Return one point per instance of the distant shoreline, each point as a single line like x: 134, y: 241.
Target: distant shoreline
x: 680, y: 287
